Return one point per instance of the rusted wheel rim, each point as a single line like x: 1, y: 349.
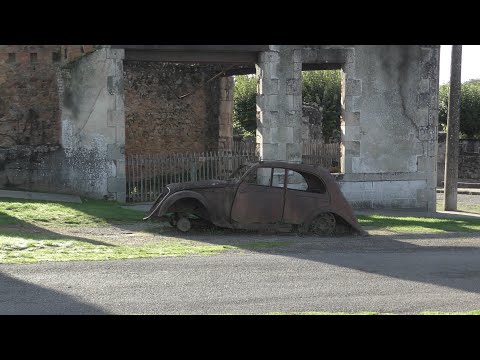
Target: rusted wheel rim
x: 183, y: 224
x: 323, y: 224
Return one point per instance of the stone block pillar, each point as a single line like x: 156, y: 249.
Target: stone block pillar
x: 279, y: 104
x: 116, y: 185
x: 225, y: 117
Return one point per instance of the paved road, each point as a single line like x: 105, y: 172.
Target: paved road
x: 395, y: 274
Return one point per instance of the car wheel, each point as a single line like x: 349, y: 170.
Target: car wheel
x: 323, y: 224
x: 183, y: 224
x: 342, y: 229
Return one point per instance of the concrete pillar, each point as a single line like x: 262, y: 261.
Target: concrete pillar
x: 279, y: 104
x: 116, y: 185
x: 93, y: 125
x: 225, y: 117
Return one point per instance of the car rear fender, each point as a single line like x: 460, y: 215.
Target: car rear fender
x: 185, y: 194
x: 351, y: 220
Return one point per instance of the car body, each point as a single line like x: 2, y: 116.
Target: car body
x: 262, y: 195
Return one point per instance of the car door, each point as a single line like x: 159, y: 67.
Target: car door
x: 305, y: 193
x: 260, y: 197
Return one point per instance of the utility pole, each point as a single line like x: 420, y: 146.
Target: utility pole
x: 453, y: 130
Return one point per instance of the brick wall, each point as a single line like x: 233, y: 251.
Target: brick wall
x: 29, y: 102
x: 157, y: 121
x: 31, y: 155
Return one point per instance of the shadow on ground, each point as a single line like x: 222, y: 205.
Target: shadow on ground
x: 20, y: 297
x: 449, y: 259
x: 20, y: 228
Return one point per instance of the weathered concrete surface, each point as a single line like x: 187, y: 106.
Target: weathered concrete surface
x: 390, y: 126
x: 279, y: 104
x: 93, y: 125
x: 63, y: 125
x: 225, y: 116
x: 39, y: 196
x: 389, y: 117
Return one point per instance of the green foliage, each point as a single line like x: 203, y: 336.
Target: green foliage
x: 324, y: 89
x: 469, y: 108
x: 245, y: 105
x: 320, y: 87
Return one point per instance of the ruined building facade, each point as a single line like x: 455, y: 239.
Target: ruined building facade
x: 69, y: 114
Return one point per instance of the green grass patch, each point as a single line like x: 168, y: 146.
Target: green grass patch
x: 19, y: 247
x: 474, y: 312
x: 18, y: 250
x: 89, y: 213
x: 324, y: 313
x: 418, y: 224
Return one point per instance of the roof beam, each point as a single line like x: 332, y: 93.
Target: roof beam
x: 191, y: 56
x: 202, y: 48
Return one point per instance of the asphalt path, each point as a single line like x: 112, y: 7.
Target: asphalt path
x: 402, y: 274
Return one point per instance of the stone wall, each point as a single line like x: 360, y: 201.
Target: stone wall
x: 93, y: 125
x: 390, y: 112
x: 159, y: 120
x: 389, y: 117
x: 468, y: 160
x: 279, y: 103
x: 29, y: 114
x: 62, y: 120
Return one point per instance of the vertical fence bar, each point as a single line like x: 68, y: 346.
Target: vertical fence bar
x: 127, y: 171
x: 155, y: 177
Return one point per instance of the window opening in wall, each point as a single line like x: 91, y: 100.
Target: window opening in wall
x: 65, y: 53
x: 11, y: 58
x: 56, y: 56
x: 33, y: 57
x: 321, y: 118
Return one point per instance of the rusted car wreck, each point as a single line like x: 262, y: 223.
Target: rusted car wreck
x: 262, y: 195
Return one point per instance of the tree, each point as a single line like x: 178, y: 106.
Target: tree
x: 245, y: 105
x: 469, y: 108
x: 324, y: 89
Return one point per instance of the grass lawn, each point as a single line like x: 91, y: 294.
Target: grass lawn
x: 424, y: 224
x: 33, y: 231
x: 89, y: 213
x: 418, y: 224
